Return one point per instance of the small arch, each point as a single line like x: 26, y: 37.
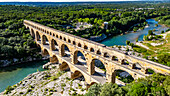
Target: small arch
x: 98, y: 52
x: 47, y: 32
x: 139, y: 66
x: 114, y: 58
x: 124, y: 62
x: 69, y: 41
x: 56, y: 36
x: 91, y: 49
x: 106, y: 55
x: 79, y: 45
x: 53, y: 34
x: 74, y: 43
x: 60, y: 37
x: 64, y: 39
x: 85, y: 47
x: 64, y: 67
x: 50, y: 33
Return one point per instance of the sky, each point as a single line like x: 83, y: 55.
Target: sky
x: 57, y: 0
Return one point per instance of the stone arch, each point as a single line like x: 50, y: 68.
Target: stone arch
x: 106, y: 55
x: 38, y: 36
x: 54, y: 59
x: 65, y: 51
x: 69, y: 41
x: 77, y: 74
x: 79, y: 45
x: 60, y: 37
x: 85, y: 47
x: 47, y: 32
x: 114, y: 58
x: 138, y: 66
x: 91, y: 49
x: 74, y: 43
x: 45, y: 40
x: 45, y: 52
x: 100, y: 66
x: 98, y: 52
x: 53, y: 34
x: 50, y: 32
x: 64, y: 66
x: 64, y: 39
x: 150, y: 70
x: 79, y: 58
x: 124, y: 62
x: 56, y: 36
x: 117, y: 71
x: 54, y: 45
x: 32, y: 33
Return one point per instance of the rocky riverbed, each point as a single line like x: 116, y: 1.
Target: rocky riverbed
x: 51, y: 82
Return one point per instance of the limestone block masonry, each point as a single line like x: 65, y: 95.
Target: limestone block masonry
x: 113, y: 60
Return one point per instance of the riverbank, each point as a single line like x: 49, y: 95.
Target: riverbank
x: 13, y: 74
x: 51, y: 82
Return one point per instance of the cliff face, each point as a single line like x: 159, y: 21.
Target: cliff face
x: 98, y: 38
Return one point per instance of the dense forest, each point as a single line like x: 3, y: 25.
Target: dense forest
x: 155, y: 85
x: 16, y: 42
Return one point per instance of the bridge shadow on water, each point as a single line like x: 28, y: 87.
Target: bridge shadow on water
x: 30, y: 64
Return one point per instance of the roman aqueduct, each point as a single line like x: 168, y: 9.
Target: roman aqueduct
x: 55, y: 43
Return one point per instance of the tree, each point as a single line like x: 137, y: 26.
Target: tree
x: 94, y: 90
x: 127, y: 42
x: 138, y: 89
x: 150, y: 32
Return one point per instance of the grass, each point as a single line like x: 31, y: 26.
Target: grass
x: 165, y: 48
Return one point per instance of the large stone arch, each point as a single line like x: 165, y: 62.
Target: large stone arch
x: 54, y: 45
x: 75, y: 56
x: 38, y: 37
x: 54, y: 59
x: 45, y: 52
x: 92, y: 65
x: 32, y: 33
x: 77, y: 74
x: 64, y: 66
x: 45, y: 40
x: 113, y: 75
x: 65, y: 47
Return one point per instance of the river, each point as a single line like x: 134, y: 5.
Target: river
x: 14, y: 74
x: 121, y: 39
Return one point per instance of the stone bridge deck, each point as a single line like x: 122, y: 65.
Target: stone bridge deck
x: 113, y: 60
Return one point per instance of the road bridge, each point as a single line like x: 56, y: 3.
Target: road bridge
x: 64, y: 49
